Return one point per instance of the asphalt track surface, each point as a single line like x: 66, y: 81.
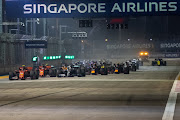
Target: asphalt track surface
x: 141, y: 95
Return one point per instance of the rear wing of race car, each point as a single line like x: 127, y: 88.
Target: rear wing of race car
x: 29, y: 68
x: 48, y: 67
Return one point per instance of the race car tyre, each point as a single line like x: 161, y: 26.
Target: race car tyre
x: 26, y: 75
x: 88, y: 71
x: 112, y: 71
x: 165, y: 63
x: 121, y: 69
x: 57, y: 73
x: 83, y: 75
x: 103, y: 71
x: 133, y: 68
x: 106, y: 72
x: 36, y: 74
x: 52, y: 72
x: 153, y: 63
x: 32, y: 75
x: 11, y: 75
x: 78, y: 71
x: 17, y: 76
x: 126, y: 70
x: 83, y: 72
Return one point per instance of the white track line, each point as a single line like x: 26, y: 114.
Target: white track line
x: 171, y: 103
x: 86, y: 80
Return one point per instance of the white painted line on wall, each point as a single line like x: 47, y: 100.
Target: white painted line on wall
x: 171, y: 103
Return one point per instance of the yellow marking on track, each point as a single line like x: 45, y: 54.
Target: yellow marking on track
x: 2, y: 77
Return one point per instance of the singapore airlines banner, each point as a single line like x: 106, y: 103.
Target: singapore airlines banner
x: 90, y: 8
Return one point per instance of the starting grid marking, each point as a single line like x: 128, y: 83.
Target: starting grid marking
x: 171, y: 103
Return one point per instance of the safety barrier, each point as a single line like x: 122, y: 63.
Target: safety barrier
x: 13, y: 53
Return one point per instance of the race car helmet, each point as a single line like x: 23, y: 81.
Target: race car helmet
x: 52, y: 66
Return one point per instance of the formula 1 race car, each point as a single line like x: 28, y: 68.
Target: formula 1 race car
x: 47, y: 70
x: 125, y: 70
x: 110, y: 69
x: 94, y: 71
x: 23, y: 73
x: 103, y: 70
x: 119, y: 68
x: 71, y: 71
x: 116, y: 71
x: 79, y: 70
x: 43, y: 70
x: 62, y: 71
x: 159, y: 62
x: 88, y: 70
x: 132, y: 65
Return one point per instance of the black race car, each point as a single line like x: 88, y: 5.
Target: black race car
x: 159, y: 62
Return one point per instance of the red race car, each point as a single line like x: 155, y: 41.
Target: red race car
x: 47, y: 70
x: 23, y: 73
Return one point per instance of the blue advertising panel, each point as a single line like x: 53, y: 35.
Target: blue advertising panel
x: 36, y: 44
x: 90, y: 8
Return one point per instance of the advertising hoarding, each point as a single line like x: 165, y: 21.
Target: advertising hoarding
x: 90, y: 8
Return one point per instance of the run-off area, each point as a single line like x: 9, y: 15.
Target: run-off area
x: 141, y: 95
